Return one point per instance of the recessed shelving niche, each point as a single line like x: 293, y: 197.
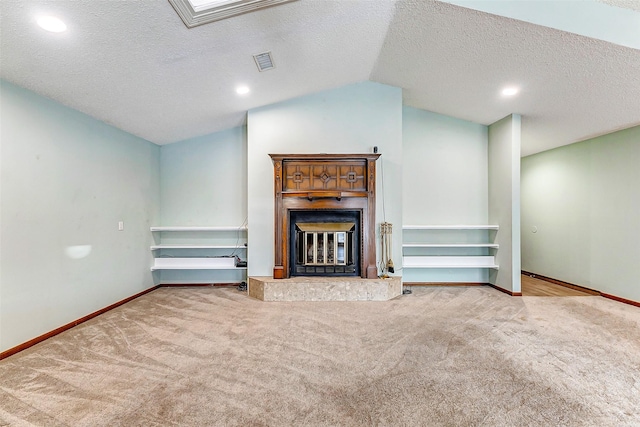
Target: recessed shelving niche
x: 433, y: 253
x: 187, y: 254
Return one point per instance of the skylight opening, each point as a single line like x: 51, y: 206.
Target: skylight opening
x: 200, y: 5
x: 199, y: 12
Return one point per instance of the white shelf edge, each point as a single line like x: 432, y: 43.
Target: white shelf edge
x: 156, y: 247
x: 450, y: 266
x: 191, y: 267
x: 450, y: 227
x: 441, y: 261
x: 450, y: 245
x: 195, y: 228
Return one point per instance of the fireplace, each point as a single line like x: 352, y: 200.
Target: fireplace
x: 324, y: 242
x: 324, y: 215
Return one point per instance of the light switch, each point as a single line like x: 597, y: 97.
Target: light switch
x: 120, y: 225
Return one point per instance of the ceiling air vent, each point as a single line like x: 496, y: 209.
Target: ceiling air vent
x: 264, y: 61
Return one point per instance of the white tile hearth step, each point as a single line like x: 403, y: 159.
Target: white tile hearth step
x: 324, y: 289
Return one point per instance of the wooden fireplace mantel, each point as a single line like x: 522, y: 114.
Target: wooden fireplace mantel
x: 325, y: 181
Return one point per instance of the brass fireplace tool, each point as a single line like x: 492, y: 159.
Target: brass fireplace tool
x: 386, y: 230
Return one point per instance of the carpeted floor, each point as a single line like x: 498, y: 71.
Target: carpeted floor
x: 442, y: 356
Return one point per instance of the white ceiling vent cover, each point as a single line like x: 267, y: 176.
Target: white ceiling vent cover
x: 264, y: 61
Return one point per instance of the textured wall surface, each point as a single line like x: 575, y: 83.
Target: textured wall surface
x: 445, y: 169
x: 66, y: 182
x: 583, y: 203
x: 204, y: 180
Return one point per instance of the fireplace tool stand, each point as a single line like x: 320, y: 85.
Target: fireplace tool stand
x: 386, y: 230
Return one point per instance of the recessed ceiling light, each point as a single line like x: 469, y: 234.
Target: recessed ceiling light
x: 510, y: 91
x: 242, y: 90
x: 51, y: 23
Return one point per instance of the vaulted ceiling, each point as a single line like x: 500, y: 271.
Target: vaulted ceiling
x: 136, y: 66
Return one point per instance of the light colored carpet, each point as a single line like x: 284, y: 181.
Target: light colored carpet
x: 443, y: 356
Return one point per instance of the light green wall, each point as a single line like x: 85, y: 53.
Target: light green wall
x: 66, y: 181
x: 352, y: 119
x: 445, y: 173
x: 204, y: 183
x: 444, y: 169
x: 443, y: 162
x: 504, y: 199
x: 204, y: 180
x: 584, y: 200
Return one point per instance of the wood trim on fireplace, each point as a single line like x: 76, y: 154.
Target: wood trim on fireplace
x: 325, y: 181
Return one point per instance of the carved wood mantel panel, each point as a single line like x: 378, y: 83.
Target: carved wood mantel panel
x: 312, y: 176
x: 325, y: 181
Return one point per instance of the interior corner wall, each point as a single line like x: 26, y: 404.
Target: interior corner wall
x: 445, y: 169
x: 581, y: 213
x: 351, y: 119
x: 504, y: 199
x: 66, y: 181
x: 203, y: 181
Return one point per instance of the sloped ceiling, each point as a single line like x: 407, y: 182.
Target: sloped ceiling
x: 134, y: 64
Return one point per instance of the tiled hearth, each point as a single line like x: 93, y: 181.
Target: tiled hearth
x: 324, y: 289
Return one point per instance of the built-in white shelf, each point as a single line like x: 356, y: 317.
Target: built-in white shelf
x: 213, y: 263
x: 449, y: 262
x: 225, y: 228
x: 200, y: 241
x: 429, y: 249
x: 157, y: 247
x: 450, y: 227
x: 450, y: 245
x: 190, y: 267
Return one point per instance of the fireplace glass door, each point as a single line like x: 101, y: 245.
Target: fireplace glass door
x: 325, y: 248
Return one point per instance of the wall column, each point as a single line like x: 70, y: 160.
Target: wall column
x: 504, y: 200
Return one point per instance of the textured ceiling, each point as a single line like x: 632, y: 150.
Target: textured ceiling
x: 134, y: 64
x: 454, y: 61
x: 627, y: 4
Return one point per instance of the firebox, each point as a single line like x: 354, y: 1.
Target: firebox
x: 324, y: 243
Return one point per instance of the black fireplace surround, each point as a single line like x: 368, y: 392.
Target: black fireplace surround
x: 330, y: 260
